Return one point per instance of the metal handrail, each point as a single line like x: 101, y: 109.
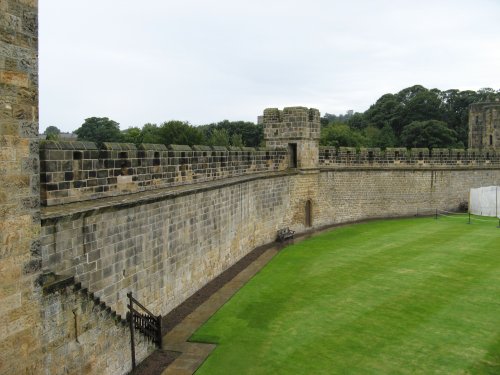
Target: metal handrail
x: 146, y: 322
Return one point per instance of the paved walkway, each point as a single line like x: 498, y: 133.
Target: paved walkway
x: 194, y: 354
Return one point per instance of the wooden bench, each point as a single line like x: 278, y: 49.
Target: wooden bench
x: 285, y: 234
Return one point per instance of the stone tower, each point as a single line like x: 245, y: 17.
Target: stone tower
x: 298, y: 130
x: 20, y: 254
x: 484, y: 125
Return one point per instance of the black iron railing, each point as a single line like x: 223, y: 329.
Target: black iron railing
x: 144, y: 321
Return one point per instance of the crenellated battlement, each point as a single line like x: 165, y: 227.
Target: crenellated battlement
x: 291, y: 123
x: 79, y: 171
x: 404, y: 158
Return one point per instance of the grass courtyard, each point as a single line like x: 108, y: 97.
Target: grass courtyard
x: 411, y: 296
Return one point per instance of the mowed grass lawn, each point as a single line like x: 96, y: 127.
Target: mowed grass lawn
x: 412, y: 296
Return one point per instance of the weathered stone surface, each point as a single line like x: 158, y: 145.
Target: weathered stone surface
x: 20, y: 261
x: 296, y: 129
x: 80, y: 336
x: 14, y: 78
x: 121, y: 169
x: 401, y: 158
x: 167, y: 249
x: 484, y: 126
x: 171, y: 219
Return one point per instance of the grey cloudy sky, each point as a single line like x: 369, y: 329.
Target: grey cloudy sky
x: 205, y: 61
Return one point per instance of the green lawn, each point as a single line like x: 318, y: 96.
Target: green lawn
x: 412, y: 296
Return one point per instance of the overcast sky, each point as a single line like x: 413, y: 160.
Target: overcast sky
x: 205, y: 61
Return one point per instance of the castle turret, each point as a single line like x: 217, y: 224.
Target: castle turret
x: 298, y: 130
x: 484, y: 125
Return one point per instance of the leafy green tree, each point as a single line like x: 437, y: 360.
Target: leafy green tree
x: 357, y: 121
x: 99, y: 130
x: 252, y: 134
x: 418, y: 104
x: 132, y: 135
x: 237, y: 140
x: 382, y: 138
x: 415, y: 103
x: 52, y: 133
x: 219, y: 137
x: 455, y: 109
x: 336, y: 119
x: 179, y: 133
x: 371, y: 134
x: 385, y: 138
x: 430, y: 133
x: 487, y: 94
x: 387, y: 110
x: 52, y: 130
x: 341, y: 135
x: 323, y: 121
x: 150, y: 134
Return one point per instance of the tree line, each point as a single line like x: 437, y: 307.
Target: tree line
x: 413, y: 117
x: 223, y: 133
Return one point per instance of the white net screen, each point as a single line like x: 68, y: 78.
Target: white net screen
x: 485, y: 201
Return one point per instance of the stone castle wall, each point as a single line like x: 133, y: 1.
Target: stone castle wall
x: 196, y: 211
x: 20, y: 257
x: 36, y: 328
x: 403, y: 158
x: 163, y: 246
x: 163, y: 222
x: 80, y: 335
x: 362, y: 193
x: 77, y: 171
x: 166, y: 245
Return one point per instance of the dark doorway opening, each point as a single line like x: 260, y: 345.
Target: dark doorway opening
x: 308, y: 214
x: 292, y: 151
